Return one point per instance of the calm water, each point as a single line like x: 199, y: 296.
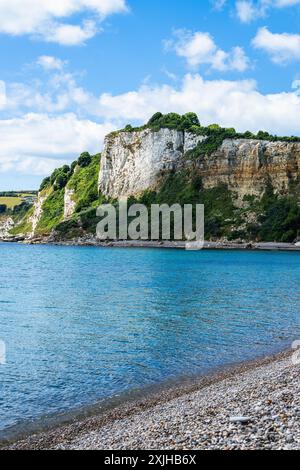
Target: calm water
x: 82, y: 324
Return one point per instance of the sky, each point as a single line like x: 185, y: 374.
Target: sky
x: 71, y: 71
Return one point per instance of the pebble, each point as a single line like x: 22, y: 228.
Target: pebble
x: 264, y: 399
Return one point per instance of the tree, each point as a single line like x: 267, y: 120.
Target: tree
x: 3, y: 208
x: 84, y: 160
x: 156, y: 117
x: 61, y: 181
x: 45, y: 183
x: 189, y: 120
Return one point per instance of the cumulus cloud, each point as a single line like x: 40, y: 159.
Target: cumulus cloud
x: 229, y: 103
x: 2, y: 95
x: 218, y: 4
x: 58, y: 93
x: 200, y: 48
x: 50, y: 63
x: 38, y: 143
x: 282, y: 48
x: 249, y: 10
x: 67, y: 119
x: 42, y: 19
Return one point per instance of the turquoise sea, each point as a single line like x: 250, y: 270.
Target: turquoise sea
x: 84, y: 324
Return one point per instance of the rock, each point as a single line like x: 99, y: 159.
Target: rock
x: 240, y: 419
x: 38, y: 210
x: 132, y: 162
x: 6, y: 224
x: 69, y: 203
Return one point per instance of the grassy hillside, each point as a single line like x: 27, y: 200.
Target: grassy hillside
x: 82, y: 178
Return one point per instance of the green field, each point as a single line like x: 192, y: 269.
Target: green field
x: 10, y: 202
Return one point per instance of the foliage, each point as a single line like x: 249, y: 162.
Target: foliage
x: 185, y: 187
x: 53, y: 211
x: 45, y: 183
x: 58, y: 179
x: 84, y: 182
x: 84, y: 160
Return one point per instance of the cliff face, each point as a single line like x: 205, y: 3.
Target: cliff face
x: 69, y: 203
x: 133, y: 161
x: 246, y: 165
x: 213, y: 166
x: 6, y: 224
x: 38, y: 211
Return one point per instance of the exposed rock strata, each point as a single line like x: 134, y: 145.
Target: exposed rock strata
x: 69, y: 203
x: 132, y: 162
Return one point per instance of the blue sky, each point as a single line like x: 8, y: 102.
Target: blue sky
x: 73, y: 70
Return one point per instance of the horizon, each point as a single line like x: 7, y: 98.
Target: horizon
x: 72, y: 76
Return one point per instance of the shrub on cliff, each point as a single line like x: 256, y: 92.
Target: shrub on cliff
x: 173, y: 121
x: 61, y: 181
x: 45, y: 183
x: 84, y: 160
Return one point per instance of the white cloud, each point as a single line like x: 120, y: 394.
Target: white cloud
x: 38, y: 143
x: 229, y: 103
x: 41, y: 19
x: 249, y: 10
x: 282, y: 48
x: 296, y: 84
x: 50, y: 63
x: 60, y: 93
x: 200, y: 48
x: 218, y: 4
x: 71, y: 35
x: 2, y: 95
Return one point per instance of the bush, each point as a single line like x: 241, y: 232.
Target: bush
x: 61, y: 181
x: 45, y: 183
x: 155, y: 118
x: 84, y: 160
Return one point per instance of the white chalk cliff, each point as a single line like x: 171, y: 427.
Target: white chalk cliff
x: 133, y: 161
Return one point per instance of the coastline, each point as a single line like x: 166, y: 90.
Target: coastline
x: 194, y: 415
x: 179, y: 245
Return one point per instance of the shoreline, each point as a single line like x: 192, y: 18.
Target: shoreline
x: 179, y: 245
x: 118, y: 424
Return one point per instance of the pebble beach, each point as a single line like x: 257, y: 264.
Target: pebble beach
x: 250, y: 406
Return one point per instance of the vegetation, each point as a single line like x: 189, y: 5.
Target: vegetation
x: 53, y: 211
x: 84, y: 182
x: 10, y: 202
x: 23, y: 224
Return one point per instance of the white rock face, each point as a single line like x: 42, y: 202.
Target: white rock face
x: 38, y: 210
x: 69, y: 203
x: 132, y: 161
x: 6, y: 224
